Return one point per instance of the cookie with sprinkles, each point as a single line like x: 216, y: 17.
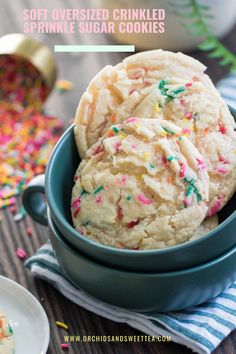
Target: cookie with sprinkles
x: 115, y: 92
x: 170, y: 86
x: 142, y: 185
x: 7, y: 345
x: 196, y: 106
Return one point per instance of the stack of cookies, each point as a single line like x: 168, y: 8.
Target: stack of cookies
x: 158, y: 145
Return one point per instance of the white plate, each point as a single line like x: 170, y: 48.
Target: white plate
x: 27, y: 318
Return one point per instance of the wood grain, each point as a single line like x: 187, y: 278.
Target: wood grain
x: 79, y: 69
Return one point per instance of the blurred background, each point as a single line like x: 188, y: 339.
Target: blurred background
x: 80, y: 68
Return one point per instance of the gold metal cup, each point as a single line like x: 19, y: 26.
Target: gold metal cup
x: 37, y: 53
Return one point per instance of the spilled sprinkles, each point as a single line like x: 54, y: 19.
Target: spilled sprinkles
x: 26, y: 141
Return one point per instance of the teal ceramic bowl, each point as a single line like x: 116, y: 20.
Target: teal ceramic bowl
x: 168, y: 291
x: 59, y: 182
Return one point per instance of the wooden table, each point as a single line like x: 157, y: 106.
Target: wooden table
x: 79, y: 69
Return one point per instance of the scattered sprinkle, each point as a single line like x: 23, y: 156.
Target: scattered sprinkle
x: 151, y: 165
x: 201, y: 164
x: 21, y: 253
x: 64, y: 346
x: 178, y: 90
x: 117, y: 146
x: 216, y: 206
x: 168, y: 131
x: 133, y: 223
x: 143, y: 200
x: 63, y: 86
x: 98, y: 199
x: 97, y: 190
x: 222, y: 170
x: 13, y: 209
x: 193, y: 188
x: 131, y: 120
x: 129, y: 197
x: 222, y: 129
x: 188, y: 84
x: 182, y: 170
x: 170, y: 158
x: 189, y: 115
x: 29, y: 231
x: 186, y: 202
x: 21, y: 215
x: 186, y: 131
x: 156, y: 107
x: 115, y: 129
x: 61, y: 324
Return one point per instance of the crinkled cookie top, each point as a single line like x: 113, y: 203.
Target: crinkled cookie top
x: 142, y: 185
x: 170, y: 86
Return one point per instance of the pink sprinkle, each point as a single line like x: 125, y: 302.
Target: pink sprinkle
x: 98, y: 199
x: 188, y: 84
x: 117, y: 146
x: 98, y: 150
x: 124, y: 179
x: 215, y: 207
x: 186, y: 131
x: 76, y: 212
x: 221, y: 170
x: 182, y: 169
x: 134, y: 146
x: 163, y: 159
x: 144, y: 200
x: 133, y: 223
x: 222, y: 129
x: 76, y: 202
x: 201, y: 164
x: 189, y: 115
x: 131, y: 120
x: 131, y: 91
x: 64, y: 346
x: 222, y: 159
x: 186, y: 202
x: 13, y: 209
x: 21, y: 253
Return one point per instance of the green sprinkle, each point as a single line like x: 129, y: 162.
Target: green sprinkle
x: 189, y: 191
x: 97, y: 190
x: 115, y: 129
x: 170, y: 158
x: 129, y: 197
x: 169, y: 98
x: 151, y: 165
x: 168, y: 131
x: 193, y: 188
x: 179, y: 90
x: 162, y: 84
x: 10, y: 330
x: 83, y: 192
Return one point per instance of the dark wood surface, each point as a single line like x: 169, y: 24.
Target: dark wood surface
x: 79, y: 69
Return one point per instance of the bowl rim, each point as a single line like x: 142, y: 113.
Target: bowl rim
x: 171, y: 274
x: 56, y: 214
